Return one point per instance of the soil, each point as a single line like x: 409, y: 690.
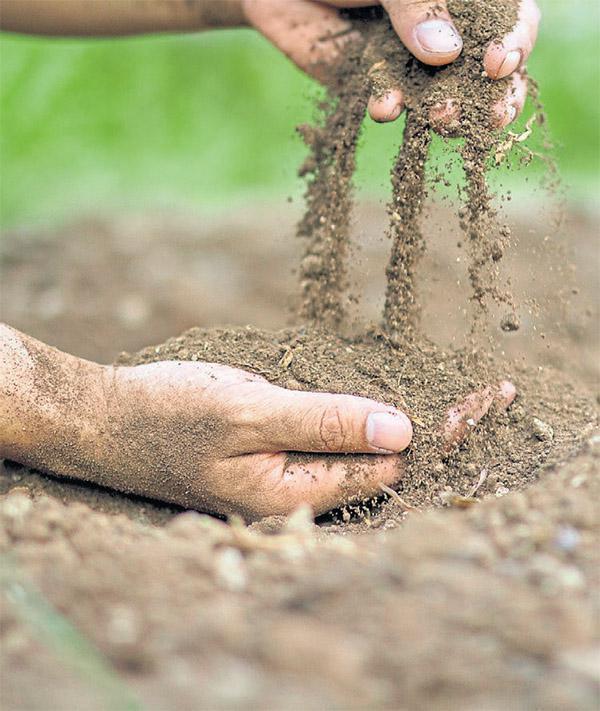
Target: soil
x: 374, y: 64
x: 471, y: 587
x: 487, y: 608
x: 422, y: 381
x: 491, y: 607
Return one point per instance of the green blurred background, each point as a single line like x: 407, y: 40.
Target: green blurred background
x: 207, y: 121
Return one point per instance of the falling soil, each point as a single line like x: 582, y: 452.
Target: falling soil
x: 374, y: 65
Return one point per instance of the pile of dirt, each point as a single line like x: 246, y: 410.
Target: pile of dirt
x: 547, y: 423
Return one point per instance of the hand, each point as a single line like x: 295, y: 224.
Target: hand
x: 311, y: 33
x: 216, y: 438
x: 203, y: 435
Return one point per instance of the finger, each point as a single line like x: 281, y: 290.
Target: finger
x: 463, y: 417
x: 426, y: 29
x: 445, y: 117
x: 284, y: 420
x: 387, y: 107
x: 510, y: 106
x: 279, y: 486
x: 504, y: 57
x: 309, y: 33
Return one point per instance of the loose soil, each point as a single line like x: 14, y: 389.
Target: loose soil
x: 374, y: 64
x: 422, y: 381
x: 492, y: 606
x: 118, y: 602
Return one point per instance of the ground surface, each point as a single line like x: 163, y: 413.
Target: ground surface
x: 118, y: 603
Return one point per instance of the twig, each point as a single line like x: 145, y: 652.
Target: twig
x: 396, y: 496
x: 476, y: 487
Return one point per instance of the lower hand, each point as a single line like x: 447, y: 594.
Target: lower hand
x: 311, y: 33
x: 203, y: 435
x: 217, y: 438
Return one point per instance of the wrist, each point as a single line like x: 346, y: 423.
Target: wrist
x: 52, y: 404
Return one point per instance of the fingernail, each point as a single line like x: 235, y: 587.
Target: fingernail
x: 438, y: 36
x: 389, y: 432
x: 510, y: 63
x: 394, y: 113
x: 511, y: 114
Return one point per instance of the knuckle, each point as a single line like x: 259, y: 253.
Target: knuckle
x: 333, y: 432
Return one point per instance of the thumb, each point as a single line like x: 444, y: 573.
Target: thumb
x: 426, y: 29
x: 322, y: 422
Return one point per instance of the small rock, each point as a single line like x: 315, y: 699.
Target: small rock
x: 542, y: 430
x: 123, y: 625
x: 302, y: 520
x: 594, y: 445
x: 497, y: 251
x: 16, y: 505
x: 567, y: 538
x: 510, y: 322
x: 230, y: 569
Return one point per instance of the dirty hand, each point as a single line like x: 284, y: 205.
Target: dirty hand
x: 311, y: 33
x: 203, y: 435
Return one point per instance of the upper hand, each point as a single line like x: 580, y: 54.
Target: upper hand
x: 311, y: 32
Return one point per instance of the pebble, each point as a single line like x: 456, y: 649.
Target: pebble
x: 301, y: 521
x: 542, y: 430
x: 567, y: 539
x: 230, y: 570
x: 510, y: 322
x: 16, y: 505
x: 594, y: 445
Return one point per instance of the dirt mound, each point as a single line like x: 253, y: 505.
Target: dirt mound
x: 546, y: 424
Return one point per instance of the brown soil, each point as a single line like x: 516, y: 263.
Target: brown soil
x: 373, y: 64
x: 115, y: 602
x: 490, y: 607
x: 422, y: 381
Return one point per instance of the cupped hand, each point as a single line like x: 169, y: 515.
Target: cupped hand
x: 218, y: 439
x: 311, y: 33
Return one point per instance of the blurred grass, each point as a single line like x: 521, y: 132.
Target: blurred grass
x: 144, y: 123
x: 71, y: 650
